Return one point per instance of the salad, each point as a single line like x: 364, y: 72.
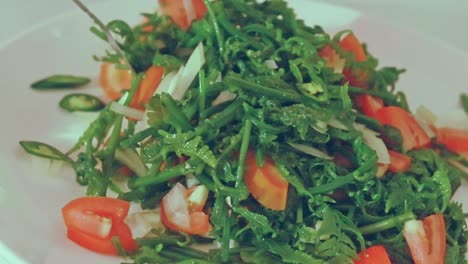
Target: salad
x: 246, y: 136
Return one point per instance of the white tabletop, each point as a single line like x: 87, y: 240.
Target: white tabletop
x: 443, y: 19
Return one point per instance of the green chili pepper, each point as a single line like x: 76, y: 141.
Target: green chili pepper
x: 81, y: 102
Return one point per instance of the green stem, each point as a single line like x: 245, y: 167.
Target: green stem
x: 220, y: 119
x: 162, y: 176
x: 176, y: 116
x: 337, y: 183
x: 243, y: 151
x: 258, y: 89
x: 202, y: 95
x: 218, y: 32
x: 387, y: 224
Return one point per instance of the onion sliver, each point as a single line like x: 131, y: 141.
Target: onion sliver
x: 374, y: 142
x: 127, y: 111
x: 311, y: 151
x: 337, y: 124
x: 224, y: 96
x: 141, y: 223
x: 130, y: 158
x: 426, y: 119
x: 190, y: 71
x: 166, y: 82
x: 271, y: 64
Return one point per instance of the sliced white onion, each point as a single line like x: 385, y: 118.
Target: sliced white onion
x: 224, y: 96
x: 337, y: 124
x: 311, y: 151
x: 425, y: 119
x: 141, y: 223
x: 374, y: 142
x: 126, y: 111
x: 189, y: 10
x: 271, y: 64
x: 192, y: 67
x: 320, y: 126
x: 191, y: 180
x: 426, y: 115
x: 177, y: 83
x: 166, y: 83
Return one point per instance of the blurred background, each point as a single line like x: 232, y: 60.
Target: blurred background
x: 443, y: 19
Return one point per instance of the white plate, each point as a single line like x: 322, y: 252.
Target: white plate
x: 30, y: 203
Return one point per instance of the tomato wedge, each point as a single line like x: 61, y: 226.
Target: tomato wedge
x: 426, y: 239
x: 114, y: 80
x: 333, y: 59
x: 175, y: 213
x: 373, y: 255
x: 398, y: 162
x: 93, y: 221
x: 368, y: 104
x: 147, y: 87
x: 351, y: 43
x: 266, y: 184
x: 453, y: 139
x: 413, y: 134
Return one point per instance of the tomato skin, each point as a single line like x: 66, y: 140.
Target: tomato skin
x: 426, y: 239
x: 200, y: 8
x: 368, y: 104
x: 113, y: 80
x: 147, y: 87
x: 453, y: 139
x: 414, y: 136
x: 266, y: 184
x: 104, y: 246
x: 373, y: 255
x: 351, y: 43
x: 176, y: 10
x: 398, y: 162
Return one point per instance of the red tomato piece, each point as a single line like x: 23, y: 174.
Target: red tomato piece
x: 93, y: 221
x: 200, y: 8
x: 147, y: 87
x: 176, y: 216
x: 176, y: 11
x: 453, y: 139
x: 351, y: 43
x: 266, y: 184
x: 113, y: 80
x: 373, y: 255
x: 426, y: 239
x: 413, y: 134
x: 104, y: 246
x: 368, y: 104
x: 356, y: 77
x: 398, y: 162
x: 112, y: 208
x: 333, y: 59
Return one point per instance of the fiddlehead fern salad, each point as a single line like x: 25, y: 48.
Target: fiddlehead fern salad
x: 264, y: 140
